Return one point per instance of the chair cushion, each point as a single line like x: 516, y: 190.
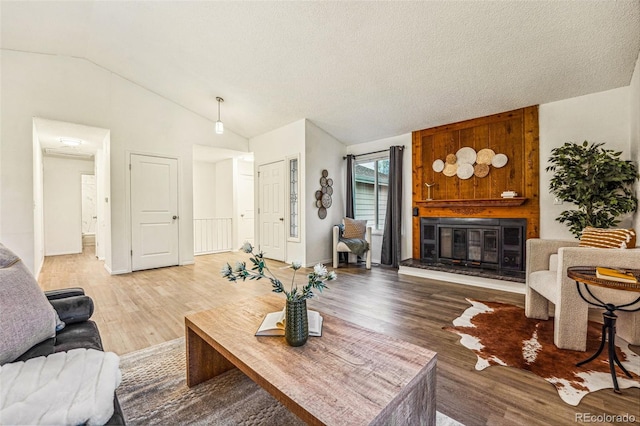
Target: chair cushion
x: 354, y: 228
x: 27, y: 316
x: 608, y: 238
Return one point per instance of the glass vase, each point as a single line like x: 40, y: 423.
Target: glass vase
x: 296, y: 329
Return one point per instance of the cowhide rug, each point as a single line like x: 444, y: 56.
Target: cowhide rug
x: 500, y: 334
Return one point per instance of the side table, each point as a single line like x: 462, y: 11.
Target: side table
x: 587, y: 276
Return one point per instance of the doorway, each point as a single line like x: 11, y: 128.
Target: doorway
x: 89, y: 211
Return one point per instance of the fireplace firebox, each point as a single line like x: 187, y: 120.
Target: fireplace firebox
x: 476, y: 242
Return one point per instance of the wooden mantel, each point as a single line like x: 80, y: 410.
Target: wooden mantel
x: 512, y: 133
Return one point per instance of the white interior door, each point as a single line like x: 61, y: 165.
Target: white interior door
x: 246, y: 217
x: 154, y: 212
x: 271, y: 213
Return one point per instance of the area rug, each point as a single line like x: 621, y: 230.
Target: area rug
x: 500, y: 334
x: 154, y: 392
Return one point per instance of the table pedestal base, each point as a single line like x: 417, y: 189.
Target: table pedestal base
x: 609, y: 333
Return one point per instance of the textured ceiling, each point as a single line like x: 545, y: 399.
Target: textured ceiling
x: 359, y: 70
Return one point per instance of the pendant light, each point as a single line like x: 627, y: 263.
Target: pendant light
x: 219, y: 125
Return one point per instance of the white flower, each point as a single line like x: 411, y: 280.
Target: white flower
x: 247, y: 247
x: 239, y: 266
x: 226, y: 270
x: 320, y: 270
x: 332, y: 276
x: 296, y: 265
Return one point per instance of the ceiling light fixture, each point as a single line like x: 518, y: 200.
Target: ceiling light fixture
x: 70, y: 142
x: 219, y: 125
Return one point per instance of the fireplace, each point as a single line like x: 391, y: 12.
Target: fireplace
x: 497, y: 244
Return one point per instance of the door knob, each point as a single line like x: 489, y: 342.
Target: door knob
x: 282, y: 219
x: 175, y: 217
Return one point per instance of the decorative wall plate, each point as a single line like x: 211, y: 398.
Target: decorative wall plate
x: 481, y: 170
x: 450, y: 169
x: 326, y: 201
x: 485, y: 156
x: 500, y: 160
x: 466, y: 155
x: 318, y: 203
x: 438, y: 165
x: 325, y: 173
x: 322, y: 212
x: 451, y: 159
x: 323, y: 181
x: 465, y: 171
x: 330, y: 190
x: 329, y: 182
x: 318, y: 194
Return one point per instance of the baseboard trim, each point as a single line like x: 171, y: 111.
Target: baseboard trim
x: 509, y: 286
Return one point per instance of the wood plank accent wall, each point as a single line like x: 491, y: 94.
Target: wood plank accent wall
x: 513, y: 133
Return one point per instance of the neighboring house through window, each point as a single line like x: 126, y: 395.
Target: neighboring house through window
x: 371, y: 190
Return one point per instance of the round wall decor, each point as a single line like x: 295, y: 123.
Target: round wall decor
x: 323, y: 195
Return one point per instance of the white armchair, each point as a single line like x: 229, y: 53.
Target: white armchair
x: 547, y: 281
x: 339, y: 246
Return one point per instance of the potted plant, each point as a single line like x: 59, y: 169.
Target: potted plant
x: 596, y: 180
x: 296, y: 326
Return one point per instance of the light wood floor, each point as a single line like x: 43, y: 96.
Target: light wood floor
x: 140, y: 309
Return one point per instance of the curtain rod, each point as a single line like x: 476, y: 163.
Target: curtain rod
x: 372, y: 152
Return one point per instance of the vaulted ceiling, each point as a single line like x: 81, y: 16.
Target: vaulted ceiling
x: 359, y: 70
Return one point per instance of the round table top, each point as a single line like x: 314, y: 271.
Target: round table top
x: 587, y: 275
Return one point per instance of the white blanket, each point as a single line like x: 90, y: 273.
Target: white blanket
x: 65, y: 388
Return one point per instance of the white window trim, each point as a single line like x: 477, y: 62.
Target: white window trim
x: 289, y: 212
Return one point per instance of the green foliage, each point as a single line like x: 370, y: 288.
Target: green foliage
x: 315, y: 279
x: 596, y: 180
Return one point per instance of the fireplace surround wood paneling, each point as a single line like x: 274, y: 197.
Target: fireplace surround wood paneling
x: 514, y: 133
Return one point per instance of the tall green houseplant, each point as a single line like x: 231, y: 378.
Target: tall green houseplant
x: 596, y: 180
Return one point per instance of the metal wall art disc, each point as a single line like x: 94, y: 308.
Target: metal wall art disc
x: 318, y: 203
x: 500, y: 160
x: 329, y: 182
x: 438, y: 165
x: 466, y: 155
x: 485, y: 156
x: 330, y: 190
x: 323, y: 181
x: 318, y: 194
x: 325, y: 173
x: 451, y: 159
x: 322, y: 212
x: 450, y: 169
x: 465, y: 171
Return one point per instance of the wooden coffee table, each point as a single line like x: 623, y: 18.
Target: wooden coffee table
x: 350, y: 375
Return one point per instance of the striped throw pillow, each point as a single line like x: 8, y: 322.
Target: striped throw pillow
x: 608, y: 238
x: 354, y: 228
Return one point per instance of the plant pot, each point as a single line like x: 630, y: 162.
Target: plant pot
x: 296, y: 329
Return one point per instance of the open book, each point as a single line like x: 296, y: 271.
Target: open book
x: 273, y: 324
x: 615, y: 275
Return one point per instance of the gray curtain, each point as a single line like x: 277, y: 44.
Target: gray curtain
x: 350, y: 212
x: 393, y: 225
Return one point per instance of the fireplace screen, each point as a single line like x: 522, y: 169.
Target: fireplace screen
x: 485, y: 243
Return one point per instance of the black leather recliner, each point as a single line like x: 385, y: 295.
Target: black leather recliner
x: 74, y: 309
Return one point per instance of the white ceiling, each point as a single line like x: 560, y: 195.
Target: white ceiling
x: 359, y: 70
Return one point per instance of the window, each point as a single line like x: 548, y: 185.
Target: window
x: 371, y: 190
x: 294, y: 226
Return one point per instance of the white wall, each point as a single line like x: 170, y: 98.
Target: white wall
x: 225, y: 188
x: 406, y: 251
x: 78, y: 91
x: 598, y: 117
x: 204, y: 190
x: 634, y: 122
x: 38, y: 204
x: 275, y: 146
x: 63, y: 204
x: 323, y: 152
